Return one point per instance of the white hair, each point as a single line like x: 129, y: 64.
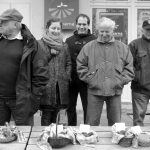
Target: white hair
x: 106, y: 22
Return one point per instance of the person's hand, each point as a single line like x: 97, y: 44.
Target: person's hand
x: 54, y: 52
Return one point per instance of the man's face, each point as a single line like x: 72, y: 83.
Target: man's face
x: 6, y: 27
x: 82, y: 25
x: 146, y: 33
x: 105, y: 33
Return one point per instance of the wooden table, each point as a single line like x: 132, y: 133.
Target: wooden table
x: 15, y: 145
x: 104, y: 143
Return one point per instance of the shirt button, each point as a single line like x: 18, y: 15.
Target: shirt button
x: 106, y: 77
x: 106, y: 47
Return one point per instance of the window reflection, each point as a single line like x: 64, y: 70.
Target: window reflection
x: 119, y: 15
x: 143, y: 14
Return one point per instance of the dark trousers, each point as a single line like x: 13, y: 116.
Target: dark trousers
x: 7, y: 108
x: 95, y: 106
x: 48, y: 117
x: 76, y: 88
x: 139, y: 105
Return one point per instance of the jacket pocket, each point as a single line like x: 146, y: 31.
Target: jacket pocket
x: 34, y: 103
x: 26, y: 106
x: 118, y: 76
x: 141, y: 58
x: 93, y: 78
x: 140, y: 69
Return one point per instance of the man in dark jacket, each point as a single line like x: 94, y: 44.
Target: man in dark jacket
x: 106, y: 65
x: 23, y: 70
x: 140, y: 49
x: 81, y: 36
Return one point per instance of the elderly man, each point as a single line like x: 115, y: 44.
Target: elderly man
x: 75, y: 43
x: 140, y: 49
x: 106, y: 65
x: 23, y: 70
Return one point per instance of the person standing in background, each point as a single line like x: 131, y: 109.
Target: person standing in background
x: 81, y: 36
x: 56, y: 96
x: 106, y: 65
x: 140, y: 49
x: 23, y: 70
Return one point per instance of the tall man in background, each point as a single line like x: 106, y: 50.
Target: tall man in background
x: 140, y: 49
x: 81, y: 36
x: 23, y: 70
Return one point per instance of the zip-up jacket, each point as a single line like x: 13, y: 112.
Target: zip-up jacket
x: 75, y: 44
x: 140, y: 49
x: 32, y: 78
x: 105, y: 67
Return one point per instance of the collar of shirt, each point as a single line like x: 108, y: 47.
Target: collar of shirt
x: 18, y: 36
x: 112, y: 40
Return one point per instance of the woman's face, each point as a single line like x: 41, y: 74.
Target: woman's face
x: 55, y: 28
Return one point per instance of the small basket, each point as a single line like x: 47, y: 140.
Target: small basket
x: 126, y: 142
x: 9, y: 139
x: 58, y: 142
x: 144, y: 140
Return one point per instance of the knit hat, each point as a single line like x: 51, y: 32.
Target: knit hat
x: 146, y: 24
x: 11, y: 14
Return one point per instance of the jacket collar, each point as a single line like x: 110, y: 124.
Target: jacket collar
x: 111, y: 41
x: 145, y: 38
x: 18, y: 36
x: 82, y: 35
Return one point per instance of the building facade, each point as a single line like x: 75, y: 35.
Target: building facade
x: 128, y: 14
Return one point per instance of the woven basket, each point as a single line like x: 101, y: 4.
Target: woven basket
x: 9, y: 139
x: 126, y: 142
x: 144, y: 140
x: 58, y: 142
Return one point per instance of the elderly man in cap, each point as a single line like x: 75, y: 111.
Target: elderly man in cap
x: 140, y: 49
x: 23, y: 70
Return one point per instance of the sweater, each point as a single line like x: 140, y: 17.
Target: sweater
x: 10, y: 58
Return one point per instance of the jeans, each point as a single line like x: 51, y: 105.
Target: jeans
x: 139, y: 105
x: 48, y: 117
x: 76, y: 88
x: 7, y: 107
x: 95, y: 106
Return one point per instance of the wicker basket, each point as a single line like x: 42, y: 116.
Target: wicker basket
x: 58, y: 142
x: 9, y: 139
x: 144, y: 140
x: 126, y: 142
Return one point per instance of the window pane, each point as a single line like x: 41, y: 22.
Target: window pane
x: 119, y: 15
x: 108, y: 0
x: 143, y: 14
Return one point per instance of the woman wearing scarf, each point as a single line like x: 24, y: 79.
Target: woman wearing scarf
x: 56, y: 96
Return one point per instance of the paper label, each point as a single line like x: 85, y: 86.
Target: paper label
x: 84, y: 128
x: 120, y: 126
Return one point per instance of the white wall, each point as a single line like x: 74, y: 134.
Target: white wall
x: 37, y: 18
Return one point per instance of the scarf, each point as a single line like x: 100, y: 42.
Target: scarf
x: 52, y: 41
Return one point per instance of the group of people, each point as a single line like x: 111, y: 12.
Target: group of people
x: 48, y: 74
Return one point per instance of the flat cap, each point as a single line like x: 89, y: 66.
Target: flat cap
x: 11, y: 14
x: 146, y: 24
